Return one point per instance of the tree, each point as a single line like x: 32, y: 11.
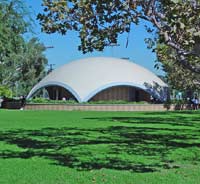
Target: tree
x: 99, y: 23
x: 30, y: 65
x: 22, y: 62
x: 177, y: 76
x: 12, y: 27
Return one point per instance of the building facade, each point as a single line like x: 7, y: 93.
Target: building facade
x: 102, y: 78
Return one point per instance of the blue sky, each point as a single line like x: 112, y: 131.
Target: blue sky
x: 66, y: 47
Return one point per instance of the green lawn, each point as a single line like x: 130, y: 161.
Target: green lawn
x: 59, y: 147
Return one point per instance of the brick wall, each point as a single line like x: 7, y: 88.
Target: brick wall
x: 92, y: 107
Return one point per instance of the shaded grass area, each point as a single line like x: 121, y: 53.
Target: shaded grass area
x: 99, y: 147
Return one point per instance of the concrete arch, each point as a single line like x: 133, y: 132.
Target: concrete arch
x: 54, y: 83
x: 86, y: 77
x: 107, y: 86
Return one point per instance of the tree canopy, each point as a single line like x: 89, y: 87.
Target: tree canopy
x: 29, y: 66
x: 177, y: 76
x: 22, y: 62
x: 175, y: 23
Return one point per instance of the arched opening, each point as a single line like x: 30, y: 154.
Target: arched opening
x: 59, y: 93
x: 54, y: 92
x: 125, y: 93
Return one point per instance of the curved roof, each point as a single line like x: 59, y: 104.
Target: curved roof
x: 86, y: 77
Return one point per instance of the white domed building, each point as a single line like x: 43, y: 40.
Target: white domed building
x: 102, y: 78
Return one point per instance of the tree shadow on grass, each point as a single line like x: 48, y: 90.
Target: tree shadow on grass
x: 81, y: 148
x: 171, y: 118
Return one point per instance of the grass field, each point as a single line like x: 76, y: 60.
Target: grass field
x: 49, y: 147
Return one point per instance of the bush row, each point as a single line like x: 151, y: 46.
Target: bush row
x: 47, y: 101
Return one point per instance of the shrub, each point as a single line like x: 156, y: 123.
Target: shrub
x: 116, y: 102
x: 47, y: 101
x: 5, y: 91
x: 38, y: 100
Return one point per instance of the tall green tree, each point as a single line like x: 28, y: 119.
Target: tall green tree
x: 12, y: 27
x: 29, y: 67
x: 22, y: 62
x: 177, y: 76
x: 99, y: 23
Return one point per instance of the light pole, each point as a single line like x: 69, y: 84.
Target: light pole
x: 50, y: 65
x: 49, y: 47
x: 50, y: 68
